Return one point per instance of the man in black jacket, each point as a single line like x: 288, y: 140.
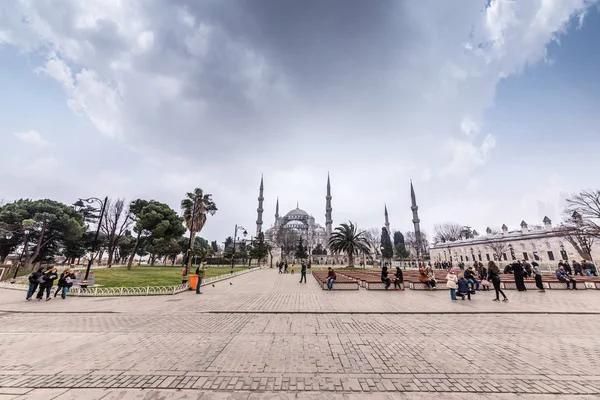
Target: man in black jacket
x: 470, y: 277
x: 46, y: 284
x: 33, y: 283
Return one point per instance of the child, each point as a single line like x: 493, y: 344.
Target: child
x: 452, y: 283
x: 293, y: 268
x: 463, y: 288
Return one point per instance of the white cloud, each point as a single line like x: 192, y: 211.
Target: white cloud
x: 33, y: 138
x: 268, y: 89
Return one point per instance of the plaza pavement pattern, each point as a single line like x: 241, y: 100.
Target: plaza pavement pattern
x: 265, y: 336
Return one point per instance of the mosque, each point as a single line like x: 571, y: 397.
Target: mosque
x: 299, y: 223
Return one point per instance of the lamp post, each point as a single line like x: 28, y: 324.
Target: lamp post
x: 237, y: 228
x: 81, y: 206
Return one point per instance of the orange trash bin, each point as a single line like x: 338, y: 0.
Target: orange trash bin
x: 193, y: 281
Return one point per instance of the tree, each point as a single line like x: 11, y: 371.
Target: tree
x: 154, y: 220
x: 215, y: 246
x: 399, y: 245
x: 117, y: 220
x: 319, y: 250
x: 346, y: 239
x: 125, y: 247
x: 301, y: 252
x: 372, y: 236
x: 228, y: 242
x: 447, y: 232
x: 50, y: 226
x: 587, y: 205
x: 386, y: 243
x: 196, y: 206
x: 287, y: 239
x: 498, y: 248
x: 576, y: 232
x: 259, y: 248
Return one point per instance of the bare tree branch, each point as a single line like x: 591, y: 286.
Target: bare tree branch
x: 447, y: 232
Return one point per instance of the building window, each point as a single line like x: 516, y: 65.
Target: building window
x: 487, y: 256
x: 536, y: 257
x: 563, y: 255
x: 550, y: 256
x: 525, y: 256
x: 504, y: 256
x: 461, y: 258
x: 480, y: 259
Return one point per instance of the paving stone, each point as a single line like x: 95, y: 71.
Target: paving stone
x: 339, y: 344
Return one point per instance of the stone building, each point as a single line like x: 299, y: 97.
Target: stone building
x: 545, y: 244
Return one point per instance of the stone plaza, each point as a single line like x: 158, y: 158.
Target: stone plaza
x: 263, y: 335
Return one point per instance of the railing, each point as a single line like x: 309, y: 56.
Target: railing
x: 100, y: 291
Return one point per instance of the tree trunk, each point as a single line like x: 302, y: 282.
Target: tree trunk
x: 351, y: 260
x: 111, y: 252
x: 189, y: 256
x: 135, y: 249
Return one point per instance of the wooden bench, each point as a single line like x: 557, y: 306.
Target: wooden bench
x: 341, y: 282
x: 368, y: 279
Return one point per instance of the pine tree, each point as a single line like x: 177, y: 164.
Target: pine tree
x: 301, y: 250
x: 387, y: 250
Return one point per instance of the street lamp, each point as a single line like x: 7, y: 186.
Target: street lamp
x: 80, y: 206
x: 245, y: 233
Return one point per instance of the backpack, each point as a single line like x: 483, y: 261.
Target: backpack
x: 41, y: 279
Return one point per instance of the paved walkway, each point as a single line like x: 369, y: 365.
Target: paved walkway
x: 266, y: 336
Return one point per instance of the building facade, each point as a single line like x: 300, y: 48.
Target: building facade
x: 545, y: 244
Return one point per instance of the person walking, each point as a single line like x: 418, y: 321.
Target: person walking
x: 46, y: 285
x: 494, y: 277
x: 330, y: 278
x: 537, y: 271
x: 34, y: 281
x: 519, y: 274
x: 285, y: 268
x: 293, y: 269
x: 280, y: 267
x: 61, y: 282
x: 398, y: 279
x: 200, y: 270
x: 452, y: 283
x: 303, y: 272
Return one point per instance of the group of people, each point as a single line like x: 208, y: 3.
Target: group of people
x: 398, y: 278
x: 44, y: 279
x: 464, y: 284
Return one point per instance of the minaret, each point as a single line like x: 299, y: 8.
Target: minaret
x: 277, y: 211
x: 387, y: 221
x: 328, y: 209
x: 259, y: 210
x: 416, y: 219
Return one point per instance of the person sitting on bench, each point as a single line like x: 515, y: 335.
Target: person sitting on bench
x: 470, y: 277
x: 384, y: 277
x: 562, y: 276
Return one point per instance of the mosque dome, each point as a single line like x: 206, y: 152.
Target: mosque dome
x: 297, y: 213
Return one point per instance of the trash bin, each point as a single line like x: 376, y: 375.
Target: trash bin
x: 193, y: 281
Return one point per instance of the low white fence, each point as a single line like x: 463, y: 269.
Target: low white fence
x: 100, y: 291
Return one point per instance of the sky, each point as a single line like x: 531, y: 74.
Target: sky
x: 489, y: 106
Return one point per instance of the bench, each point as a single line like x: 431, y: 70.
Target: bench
x: 369, y: 280
x: 341, y: 282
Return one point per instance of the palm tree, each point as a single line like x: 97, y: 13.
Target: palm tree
x: 195, y: 208
x: 346, y: 239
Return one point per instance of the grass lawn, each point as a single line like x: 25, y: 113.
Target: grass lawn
x: 150, y: 276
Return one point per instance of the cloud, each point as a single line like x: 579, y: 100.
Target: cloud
x: 33, y: 138
x: 213, y: 94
